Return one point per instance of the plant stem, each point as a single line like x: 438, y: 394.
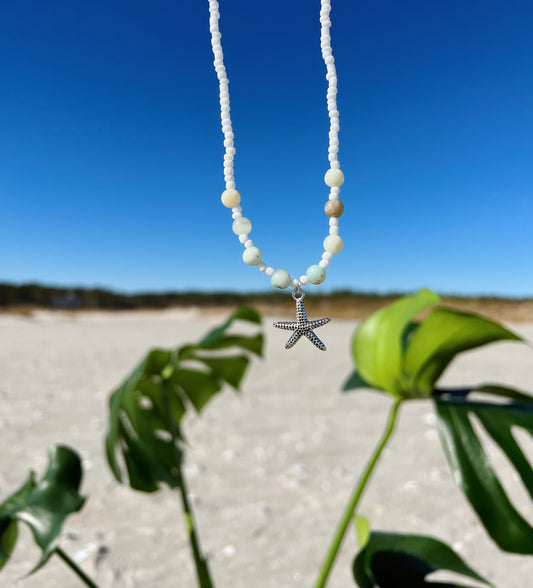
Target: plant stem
x: 75, y: 568
x: 202, y: 569
x: 355, y: 497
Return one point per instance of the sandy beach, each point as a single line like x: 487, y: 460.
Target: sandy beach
x: 269, y: 470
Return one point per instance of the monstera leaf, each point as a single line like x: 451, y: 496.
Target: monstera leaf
x: 391, y: 560
x: 43, y: 506
x: 499, y: 411
x: 406, y: 358
x: 439, y: 338
x: 146, y: 411
x: 377, y: 346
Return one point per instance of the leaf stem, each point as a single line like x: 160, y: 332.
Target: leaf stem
x: 349, y: 511
x: 202, y: 568
x: 75, y: 568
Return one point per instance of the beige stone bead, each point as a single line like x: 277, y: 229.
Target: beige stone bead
x: 230, y: 198
x: 334, y: 177
x: 334, y: 208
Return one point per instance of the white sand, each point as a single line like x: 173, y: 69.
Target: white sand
x: 270, y: 470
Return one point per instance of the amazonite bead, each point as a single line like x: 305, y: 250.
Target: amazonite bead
x: 334, y: 177
x: 230, y: 198
x: 280, y: 279
x: 315, y: 274
x: 241, y: 226
x: 333, y: 244
x: 252, y: 256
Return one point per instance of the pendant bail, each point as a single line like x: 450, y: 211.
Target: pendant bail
x: 298, y: 294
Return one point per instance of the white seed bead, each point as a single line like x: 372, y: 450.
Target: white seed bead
x: 333, y: 244
x: 252, y: 256
x: 334, y: 177
x: 241, y: 226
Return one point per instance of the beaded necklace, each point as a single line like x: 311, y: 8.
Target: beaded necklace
x: 334, y: 178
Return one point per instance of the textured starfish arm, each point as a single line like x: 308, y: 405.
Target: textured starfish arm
x: 293, y: 339
x: 315, y: 340
x: 289, y: 326
x: 301, y: 315
x: 318, y: 323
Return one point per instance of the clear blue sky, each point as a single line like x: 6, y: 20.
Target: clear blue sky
x: 111, y: 149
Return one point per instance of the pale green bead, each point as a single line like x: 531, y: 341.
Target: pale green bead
x: 230, y: 198
x: 333, y: 244
x: 280, y: 279
x: 241, y: 226
x: 334, y: 177
x: 252, y: 256
x: 315, y: 274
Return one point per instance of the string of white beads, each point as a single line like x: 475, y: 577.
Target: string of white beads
x: 334, y: 178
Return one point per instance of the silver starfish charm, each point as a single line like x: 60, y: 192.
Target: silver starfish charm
x: 302, y: 326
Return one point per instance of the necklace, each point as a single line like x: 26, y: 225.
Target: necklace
x: 334, y: 178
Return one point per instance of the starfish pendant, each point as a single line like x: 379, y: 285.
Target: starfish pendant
x: 302, y: 326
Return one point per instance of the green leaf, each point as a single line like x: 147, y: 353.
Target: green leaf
x: 243, y: 313
x: 471, y: 465
x: 439, y: 338
x: 391, y: 560
x: 230, y: 372
x: 43, y: 506
x: 8, y: 539
x: 252, y: 344
x: 362, y: 529
x: 355, y: 381
x: 199, y: 386
x: 378, y: 342
x: 144, y: 443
